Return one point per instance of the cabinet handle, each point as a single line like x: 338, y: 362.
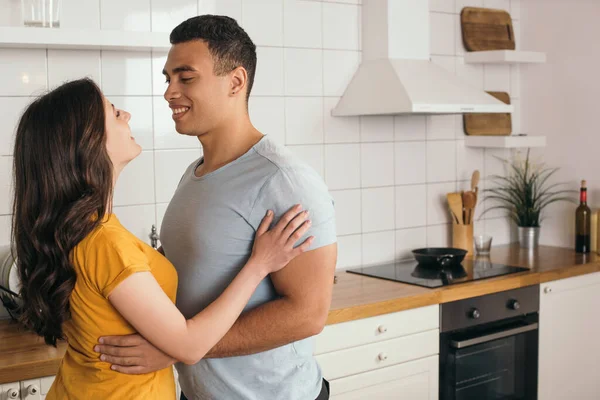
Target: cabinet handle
x: 382, y: 329
x: 32, y: 390
x: 12, y: 393
x: 547, y: 289
x: 382, y: 356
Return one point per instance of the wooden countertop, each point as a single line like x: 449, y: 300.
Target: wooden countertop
x: 357, y: 296
x: 25, y: 356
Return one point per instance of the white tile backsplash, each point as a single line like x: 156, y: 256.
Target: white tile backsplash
x: 411, y: 210
x: 437, y: 205
x: 388, y: 175
x: 439, y: 235
x: 159, y: 84
x: 11, y: 109
x: 377, y: 164
x: 138, y: 219
x: 378, y: 247
x: 5, y: 228
x: 268, y: 80
x: 263, y: 21
x: 440, y: 127
x: 311, y: 155
x: 446, y: 6
x: 377, y: 128
x: 297, y: 16
x: 340, y: 26
x: 170, y: 166
x: 126, y: 73
x: 497, y: 4
x: 136, y: 183
x: 268, y: 116
x: 377, y: 206
x: 230, y: 8
x: 468, y: 159
x: 71, y: 13
x: 441, y: 161
x: 409, y: 239
x: 410, y: 128
x: 410, y: 159
x: 349, y: 251
x: 167, y: 14
x: 67, y: 65
x: 339, y: 130
x: 6, y: 177
x: 347, y: 211
x: 130, y: 15
x: 442, y: 33
x: 303, y: 72
x: 303, y: 120
x: 342, y: 166
x: 23, y: 72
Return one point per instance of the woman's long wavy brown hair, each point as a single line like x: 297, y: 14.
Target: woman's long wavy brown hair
x: 62, y: 188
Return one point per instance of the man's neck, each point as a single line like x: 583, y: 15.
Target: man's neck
x: 226, y: 144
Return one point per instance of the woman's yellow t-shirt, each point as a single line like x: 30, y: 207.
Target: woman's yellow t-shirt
x: 105, y: 258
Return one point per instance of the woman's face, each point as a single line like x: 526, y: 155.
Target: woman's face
x: 121, y: 146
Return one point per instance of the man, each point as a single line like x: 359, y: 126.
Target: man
x: 209, y: 226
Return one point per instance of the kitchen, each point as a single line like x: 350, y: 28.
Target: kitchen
x: 392, y: 198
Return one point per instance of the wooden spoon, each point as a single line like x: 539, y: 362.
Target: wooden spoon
x: 475, y: 181
x: 469, y: 200
x: 456, y: 206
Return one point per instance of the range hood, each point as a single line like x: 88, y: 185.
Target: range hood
x: 396, y: 75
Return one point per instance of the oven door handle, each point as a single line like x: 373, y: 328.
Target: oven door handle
x: 461, y: 344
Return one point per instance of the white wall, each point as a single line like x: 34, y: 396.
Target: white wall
x: 388, y: 175
x: 560, y: 99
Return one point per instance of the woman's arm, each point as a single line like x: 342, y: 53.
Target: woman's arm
x: 142, y: 302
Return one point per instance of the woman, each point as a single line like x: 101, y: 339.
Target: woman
x: 78, y: 264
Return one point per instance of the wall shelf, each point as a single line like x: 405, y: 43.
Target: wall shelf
x: 82, y: 39
x: 505, y: 142
x: 504, y: 57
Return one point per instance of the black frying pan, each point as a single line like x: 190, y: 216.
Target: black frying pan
x: 440, y: 257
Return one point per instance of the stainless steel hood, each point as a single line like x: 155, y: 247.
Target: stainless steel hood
x: 396, y: 75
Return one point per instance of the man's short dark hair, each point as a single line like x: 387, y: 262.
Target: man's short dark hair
x: 229, y: 45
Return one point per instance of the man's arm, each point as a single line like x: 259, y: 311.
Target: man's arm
x: 305, y: 287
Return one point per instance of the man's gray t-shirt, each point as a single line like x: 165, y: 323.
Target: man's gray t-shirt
x: 207, y: 233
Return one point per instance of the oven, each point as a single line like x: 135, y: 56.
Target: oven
x: 489, y: 346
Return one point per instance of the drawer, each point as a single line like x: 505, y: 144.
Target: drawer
x: 379, y: 355
x: 375, y: 329
x: 413, y: 380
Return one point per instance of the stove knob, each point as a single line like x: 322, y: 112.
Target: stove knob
x: 514, y: 305
x: 474, y: 314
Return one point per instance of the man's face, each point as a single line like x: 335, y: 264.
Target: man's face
x: 199, y: 99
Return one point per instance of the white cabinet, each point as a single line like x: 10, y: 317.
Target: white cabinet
x: 569, y: 344
x: 393, y: 356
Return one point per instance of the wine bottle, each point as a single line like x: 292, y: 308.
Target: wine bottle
x: 583, y: 222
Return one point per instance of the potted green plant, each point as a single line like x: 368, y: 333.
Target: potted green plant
x: 524, y: 193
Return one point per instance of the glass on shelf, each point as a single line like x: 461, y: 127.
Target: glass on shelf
x: 41, y: 13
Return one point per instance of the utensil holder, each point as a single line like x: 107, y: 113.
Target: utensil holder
x: 462, y: 237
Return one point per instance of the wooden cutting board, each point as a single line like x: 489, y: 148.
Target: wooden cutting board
x: 492, y: 124
x: 486, y: 29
